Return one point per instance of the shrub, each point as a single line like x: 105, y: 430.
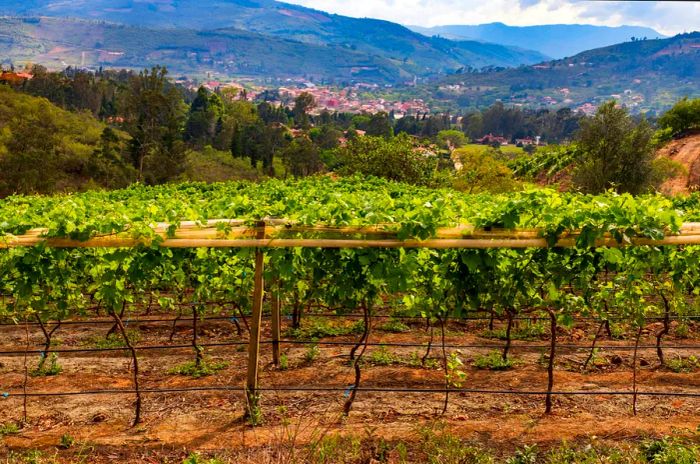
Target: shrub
x: 684, y: 116
x: 493, y: 361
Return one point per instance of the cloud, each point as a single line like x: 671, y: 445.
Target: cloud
x: 667, y: 17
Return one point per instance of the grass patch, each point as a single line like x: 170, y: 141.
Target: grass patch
x: 196, y: 458
x: 680, y: 364
x: 205, y: 368
x: 315, y: 328
x: 10, y: 428
x: 114, y: 340
x: 682, y: 330
x: 526, y: 332
x: 312, y: 353
x: 394, y: 326
x: 437, y: 445
x: 382, y: 357
x: 669, y: 451
x: 416, y: 360
x: 47, y: 370
x: 493, y: 361
x: 284, y: 362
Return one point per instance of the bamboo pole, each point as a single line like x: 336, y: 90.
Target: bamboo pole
x: 252, y: 408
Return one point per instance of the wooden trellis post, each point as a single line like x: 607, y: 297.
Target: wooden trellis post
x: 252, y: 396
x: 276, y: 324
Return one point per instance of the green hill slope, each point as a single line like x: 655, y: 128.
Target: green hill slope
x: 46, y: 149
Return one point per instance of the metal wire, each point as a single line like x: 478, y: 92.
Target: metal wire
x: 674, y: 317
x: 360, y: 389
x: 340, y: 343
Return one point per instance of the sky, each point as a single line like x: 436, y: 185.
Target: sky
x: 666, y: 17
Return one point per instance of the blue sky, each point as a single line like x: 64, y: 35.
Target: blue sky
x: 666, y: 17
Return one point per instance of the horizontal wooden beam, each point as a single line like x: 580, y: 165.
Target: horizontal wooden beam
x: 232, y: 233
x: 475, y: 243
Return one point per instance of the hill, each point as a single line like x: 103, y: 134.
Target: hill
x: 556, y: 41
x: 412, y: 53
x: 49, y: 149
x: 644, y: 75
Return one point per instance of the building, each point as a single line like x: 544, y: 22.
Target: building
x: 491, y: 139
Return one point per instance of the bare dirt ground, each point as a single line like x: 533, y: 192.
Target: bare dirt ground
x: 178, y: 423
x: 685, y: 151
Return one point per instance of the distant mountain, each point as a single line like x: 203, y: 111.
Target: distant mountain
x: 407, y: 52
x: 644, y: 75
x: 556, y: 41
x: 58, y: 43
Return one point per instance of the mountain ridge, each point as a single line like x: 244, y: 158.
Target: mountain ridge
x: 415, y: 54
x: 555, y: 40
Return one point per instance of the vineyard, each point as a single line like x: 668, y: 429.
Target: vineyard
x: 354, y: 291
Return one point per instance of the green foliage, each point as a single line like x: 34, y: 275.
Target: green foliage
x: 312, y: 353
x: 204, y: 369
x: 455, y: 375
x: 394, y: 159
x: 45, y: 149
x: 680, y: 364
x: 204, y: 120
x: 9, y: 428
x: 301, y: 157
x: 669, y: 451
x: 382, y: 357
x: 42, y: 370
x: 196, y: 458
x: 493, y: 361
x: 528, y: 331
x: 67, y: 442
x: 115, y: 340
x: 315, y: 328
x: 334, y: 448
x: 452, y: 139
x: 212, y: 165
x: 546, y: 162
x: 284, y: 362
x: 438, y: 446
x: 525, y: 455
x: 154, y: 115
x: 482, y: 171
x: 394, y: 326
x: 684, y: 116
x: 617, y: 153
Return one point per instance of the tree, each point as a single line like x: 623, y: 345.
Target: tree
x: 482, y: 171
x: 301, y: 157
x: 473, y: 125
x: 684, y: 116
x: 380, y: 126
x: 617, y: 152
x: 154, y: 113
x: 451, y: 139
x: 302, y: 105
x: 204, y: 119
x: 395, y: 159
